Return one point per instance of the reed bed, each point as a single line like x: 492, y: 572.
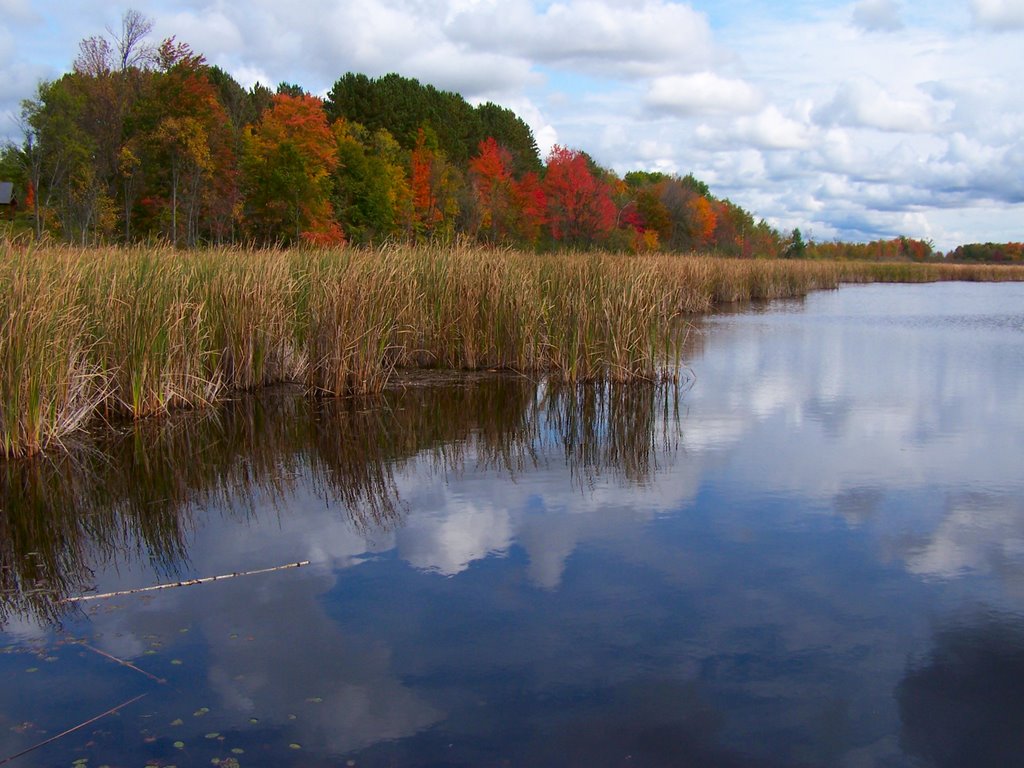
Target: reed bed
x: 91, y: 334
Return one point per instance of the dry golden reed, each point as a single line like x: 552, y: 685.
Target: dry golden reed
x: 117, y: 333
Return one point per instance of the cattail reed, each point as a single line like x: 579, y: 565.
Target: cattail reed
x: 108, y: 334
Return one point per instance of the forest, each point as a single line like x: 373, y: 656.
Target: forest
x: 146, y: 142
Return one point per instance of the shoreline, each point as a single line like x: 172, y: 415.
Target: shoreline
x: 110, y: 334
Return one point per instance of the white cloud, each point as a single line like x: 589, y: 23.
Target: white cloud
x: 867, y: 104
x: 998, y: 15
x: 543, y: 131
x: 247, y: 77
x: 770, y: 129
x: 617, y: 39
x: 702, y: 93
x: 877, y: 15
x: 208, y: 30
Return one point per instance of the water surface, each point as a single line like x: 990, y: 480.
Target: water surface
x: 813, y: 554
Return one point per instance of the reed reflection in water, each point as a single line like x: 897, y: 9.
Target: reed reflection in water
x: 134, y: 497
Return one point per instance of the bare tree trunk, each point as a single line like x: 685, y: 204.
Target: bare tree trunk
x: 174, y: 204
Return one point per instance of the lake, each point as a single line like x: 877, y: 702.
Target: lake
x: 809, y: 553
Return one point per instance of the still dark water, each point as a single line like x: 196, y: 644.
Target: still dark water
x: 813, y: 555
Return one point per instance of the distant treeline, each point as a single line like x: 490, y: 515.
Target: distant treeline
x: 895, y: 249
x: 908, y: 249
x: 143, y: 142
x: 988, y: 252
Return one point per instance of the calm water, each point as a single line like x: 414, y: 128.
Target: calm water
x: 811, y: 555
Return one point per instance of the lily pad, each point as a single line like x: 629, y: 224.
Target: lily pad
x: 293, y: 745
x: 179, y: 745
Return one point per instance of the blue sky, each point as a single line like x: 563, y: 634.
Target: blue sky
x: 850, y: 120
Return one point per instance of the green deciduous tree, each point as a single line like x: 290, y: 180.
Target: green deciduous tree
x: 371, y: 193
x: 289, y: 158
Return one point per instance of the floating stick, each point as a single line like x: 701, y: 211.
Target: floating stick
x: 186, y: 583
x: 71, y: 730
x: 128, y: 664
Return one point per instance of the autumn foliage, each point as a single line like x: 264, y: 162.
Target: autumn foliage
x: 153, y: 143
x: 291, y: 154
x: 579, y: 207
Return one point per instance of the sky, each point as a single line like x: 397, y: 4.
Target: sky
x: 850, y: 120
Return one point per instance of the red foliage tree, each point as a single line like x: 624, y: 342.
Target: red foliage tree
x: 530, y: 207
x: 492, y: 187
x: 579, y: 207
x: 432, y: 186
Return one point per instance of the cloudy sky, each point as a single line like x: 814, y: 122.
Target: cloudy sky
x: 853, y: 120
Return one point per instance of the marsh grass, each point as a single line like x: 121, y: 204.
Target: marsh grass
x: 116, y: 334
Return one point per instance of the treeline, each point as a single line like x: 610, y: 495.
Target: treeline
x: 988, y: 252
x: 895, y: 249
x: 144, y: 142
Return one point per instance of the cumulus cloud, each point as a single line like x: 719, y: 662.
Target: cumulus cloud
x: 621, y: 39
x: 701, y: 94
x: 998, y: 15
x: 208, y: 30
x: 544, y: 131
x: 471, y: 47
x: 877, y: 15
x: 870, y: 105
x: 319, y: 41
x: 770, y: 129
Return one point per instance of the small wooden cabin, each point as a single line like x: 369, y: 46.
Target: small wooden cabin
x: 8, y: 200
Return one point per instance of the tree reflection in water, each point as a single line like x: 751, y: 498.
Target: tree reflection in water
x: 135, y: 495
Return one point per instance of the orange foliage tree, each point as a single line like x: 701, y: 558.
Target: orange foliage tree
x: 290, y: 155
x: 185, y: 153
x: 702, y: 221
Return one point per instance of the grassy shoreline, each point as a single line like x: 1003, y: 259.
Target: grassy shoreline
x: 111, y: 334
